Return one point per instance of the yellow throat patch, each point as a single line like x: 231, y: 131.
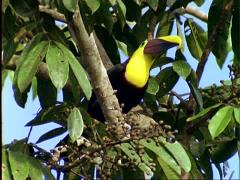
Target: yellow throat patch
x: 138, y: 67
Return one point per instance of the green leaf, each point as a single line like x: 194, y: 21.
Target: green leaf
x: 93, y: 5
x: 79, y: 73
x: 220, y: 121
x: 203, y: 112
x: 196, y: 39
x: 121, y: 12
x: 51, y: 134
x: 237, y: 114
x: 128, y: 149
x: 164, y: 156
x: 153, y: 86
x: 167, y: 78
x: 167, y: 169
x: 4, y: 76
x: 29, y: 62
x: 220, y: 48
x: 24, y: 7
x: 6, y: 171
x: 199, y: 2
x: 153, y: 4
x: 34, y: 88
x: 165, y: 25
x: 19, y: 165
x: 70, y: 4
x: 235, y: 35
x: 75, y: 124
x: 179, y: 153
x: 57, y: 64
x: 182, y: 68
x: 123, y: 47
x: 47, y: 93
x: 9, y: 50
x: 4, y: 5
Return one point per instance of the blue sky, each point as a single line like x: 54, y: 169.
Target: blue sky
x: 14, y: 117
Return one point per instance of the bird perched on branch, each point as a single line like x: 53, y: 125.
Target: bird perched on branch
x: 130, y: 79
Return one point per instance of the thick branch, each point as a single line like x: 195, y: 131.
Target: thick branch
x: 97, y: 73
x: 196, y: 13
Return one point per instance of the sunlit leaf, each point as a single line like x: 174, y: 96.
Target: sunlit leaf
x: 70, y: 4
x: 6, y: 171
x: 220, y: 120
x: 153, y: 4
x: 75, y: 124
x: 182, y: 68
x: 121, y: 12
x: 93, y: 5
x: 153, y: 86
x: 57, y: 63
x: 237, y: 114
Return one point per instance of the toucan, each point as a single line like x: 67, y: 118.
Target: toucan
x: 130, y: 79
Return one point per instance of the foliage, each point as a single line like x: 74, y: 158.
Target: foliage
x: 187, y: 136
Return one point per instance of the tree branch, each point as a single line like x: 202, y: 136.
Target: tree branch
x: 56, y: 15
x: 97, y: 73
x: 196, y: 13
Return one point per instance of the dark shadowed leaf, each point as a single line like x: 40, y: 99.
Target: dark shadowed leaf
x: 24, y: 7
x: 167, y: 79
x: 57, y: 64
x: 223, y: 151
x: 75, y: 124
x: 196, y: 38
x: 196, y: 94
x: 29, y: 62
x: 153, y: 86
x: 220, y: 121
x: 47, y: 93
x: 182, y: 68
x: 70, y: 4
x: 204, y: 112
x: 199, y: 2
x: 20, y: 97
x: 165, y: 25
x: 121, y: 12
x: 9, y: 50
x: 220, y: 48
x: 235, y: 31
x: 51, y: 134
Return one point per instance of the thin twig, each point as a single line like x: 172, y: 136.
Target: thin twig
x: 196, y: 13
x: 56, y: 15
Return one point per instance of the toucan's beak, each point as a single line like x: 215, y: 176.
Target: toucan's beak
x: 156, y: 47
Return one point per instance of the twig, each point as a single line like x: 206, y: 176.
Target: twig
x: 56, y: 15
x: 196, y: 13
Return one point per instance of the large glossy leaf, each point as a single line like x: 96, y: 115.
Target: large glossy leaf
x: 70, y: 4
x: 75, y: 124
x: 220, y: 48
x: 167, y: 78
x: 237, y: 114
x: 6, y: 171
x: 196, y: 38
x: 182, y: 68
x: 57, y: 64
x: 19, y: 165
x: 235, y: 31
x: 179, y: 153
x: 29, y: 62
x: 220, y: 120
x: 79, y: 73
x: 24, y: 7
x: 93, y: 5
x: 161, y: 153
